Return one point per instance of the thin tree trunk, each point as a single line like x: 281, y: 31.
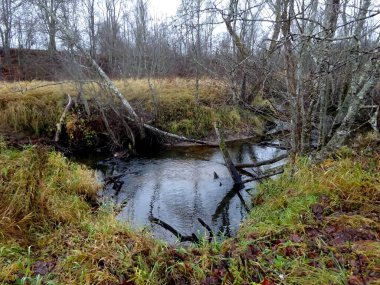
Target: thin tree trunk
x: 276, y: 28
x: 330, y: 25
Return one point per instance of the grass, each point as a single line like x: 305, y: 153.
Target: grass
x: 178, y: 111
x: 35, y: 111
x: 40, y: 188
x: 317, y: 226
x: 308, y: 228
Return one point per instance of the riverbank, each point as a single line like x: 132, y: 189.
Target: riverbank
x: 31, y: 110
x: 316, y: 224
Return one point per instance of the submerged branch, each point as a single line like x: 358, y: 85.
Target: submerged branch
x: 207, y: 227
x: 182, y: 238
x: 247, y: 173
x: 226, y: 156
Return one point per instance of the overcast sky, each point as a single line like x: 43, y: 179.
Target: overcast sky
x: 163, y: 8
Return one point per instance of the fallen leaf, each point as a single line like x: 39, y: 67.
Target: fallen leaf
x: 268, y: 282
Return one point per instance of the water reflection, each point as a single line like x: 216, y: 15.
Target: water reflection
x: 178, y: 186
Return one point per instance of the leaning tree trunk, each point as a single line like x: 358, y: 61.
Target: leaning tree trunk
x: 235, y: 175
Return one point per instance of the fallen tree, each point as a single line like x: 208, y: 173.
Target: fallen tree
x: 107, y: 83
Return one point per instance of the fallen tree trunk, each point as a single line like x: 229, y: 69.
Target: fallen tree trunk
x: 226, y: 156
x: 274, y: 145
x: 174, y: 136
x: 261, y: 163
x: 280, y: 171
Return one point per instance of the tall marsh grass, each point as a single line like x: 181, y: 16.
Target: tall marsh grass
x: 40, y: 188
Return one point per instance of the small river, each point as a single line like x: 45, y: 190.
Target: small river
x: 180, y: 185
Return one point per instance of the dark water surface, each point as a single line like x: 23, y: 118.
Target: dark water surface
x: 178, y: 186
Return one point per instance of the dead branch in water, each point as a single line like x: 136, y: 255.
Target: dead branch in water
x: 247, y: 173
x: 261, y: 163
x: 280, y: 171
x: 226, y: 156
x: 182, y: 238
x: 207, y: 227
